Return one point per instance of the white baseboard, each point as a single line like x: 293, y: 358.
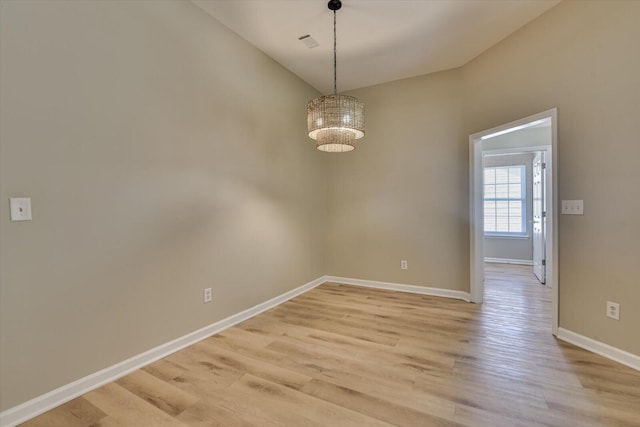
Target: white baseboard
x: 508, y: 261
x: 629, y: 359
x: 25, y: 411
x: 438, y: 292
x: 54, y: 398
x: 34, y: 407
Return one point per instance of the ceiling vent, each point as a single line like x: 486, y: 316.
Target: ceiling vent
x: 308, y: 41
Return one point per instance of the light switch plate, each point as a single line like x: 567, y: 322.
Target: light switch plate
x: 572, y: 207
x: 20, y: 208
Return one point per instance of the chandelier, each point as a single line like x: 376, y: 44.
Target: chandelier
x: 335, y: 121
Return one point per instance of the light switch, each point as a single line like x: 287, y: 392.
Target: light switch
x: 20, y: 208
x: 572, y: 207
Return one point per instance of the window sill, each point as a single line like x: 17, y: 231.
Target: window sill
x: 508, y: 236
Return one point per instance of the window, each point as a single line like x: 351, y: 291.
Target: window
x: 504, y: 200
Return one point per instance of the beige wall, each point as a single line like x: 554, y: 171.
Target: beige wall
x: 581, y: 57
x: 402, y: 195
x: 163, y: 155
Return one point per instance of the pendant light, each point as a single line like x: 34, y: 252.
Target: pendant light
x: 335, y: 121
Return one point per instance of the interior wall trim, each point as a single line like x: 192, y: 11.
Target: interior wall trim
x: 629, y: 359
x: 508, y: 261
x: 38, y: 405
x: 423, y: 290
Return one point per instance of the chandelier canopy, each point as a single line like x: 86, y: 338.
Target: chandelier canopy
x: 335, y: 121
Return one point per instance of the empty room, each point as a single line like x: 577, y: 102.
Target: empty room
x: 319, y: 213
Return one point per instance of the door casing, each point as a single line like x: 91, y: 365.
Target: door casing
x: 476, y: 232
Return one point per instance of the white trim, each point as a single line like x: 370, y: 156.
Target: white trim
x: 476, y: 234
x: 423, y: 290
x: 34, y: 407
x: 508, y: 261
x: 476, y: 221
x: 31, y: 408
x: 507, y: 236
x: 512, y: 129
x: 27, y: 410
x: 629, y: 359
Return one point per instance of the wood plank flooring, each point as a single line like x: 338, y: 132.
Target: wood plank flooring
x: 349, y: 356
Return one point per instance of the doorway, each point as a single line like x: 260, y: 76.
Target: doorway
x: 536, y: 134
x: 515, y: 200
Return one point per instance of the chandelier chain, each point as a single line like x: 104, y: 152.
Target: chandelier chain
x: 335, y: 57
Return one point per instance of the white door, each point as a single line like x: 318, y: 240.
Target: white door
x: 539, y: 218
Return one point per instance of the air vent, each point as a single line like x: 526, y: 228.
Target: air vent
x: 308, y: 41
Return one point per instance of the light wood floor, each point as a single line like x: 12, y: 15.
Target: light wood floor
x: 350, y: 356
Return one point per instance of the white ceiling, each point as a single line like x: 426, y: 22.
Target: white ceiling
x: 378, y: 40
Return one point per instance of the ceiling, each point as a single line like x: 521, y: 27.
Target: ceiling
x: 377, y: 40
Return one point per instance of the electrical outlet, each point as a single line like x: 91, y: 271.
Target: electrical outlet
x: 403, y: 264
x: 20, y: 208
x: 613, y: 310
x: 207, y: 295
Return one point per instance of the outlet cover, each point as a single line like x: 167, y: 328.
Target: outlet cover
x: 207, y: 295
x: 613, y: 310
x: 20, y: 208
x: 403, y: 264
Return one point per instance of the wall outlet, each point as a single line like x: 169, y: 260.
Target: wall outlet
x: 613, y: 310
x: 20, y: 208
x: 207, y: 295
x: 403, y: 264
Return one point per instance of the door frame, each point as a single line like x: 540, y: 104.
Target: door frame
x: 476, y: 231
